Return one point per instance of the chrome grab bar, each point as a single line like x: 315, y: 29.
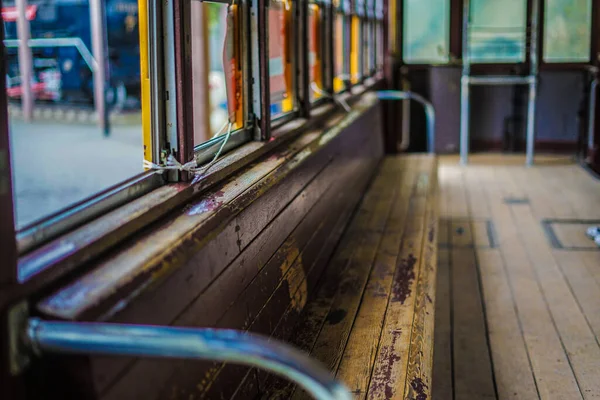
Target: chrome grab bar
x: 186, y: 343
x: 429, y: 111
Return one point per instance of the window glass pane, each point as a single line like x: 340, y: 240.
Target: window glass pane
x: 567, y: 30
x: 340, y: 61
x: 497, y: 32
x: 280, y: 57
x: 314, y: 51
x: 61, y: 156
x: 368, y: 42
x: 426, y: 31
x: 217, y: 73
x: 392, y: 24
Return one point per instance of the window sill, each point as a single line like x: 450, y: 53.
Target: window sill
x: 144, y: 261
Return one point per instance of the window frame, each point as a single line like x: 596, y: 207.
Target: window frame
x: 343, y: 9
x: 369, y: 35
x: 324, y: 19
x: 569, y: 65
x: 503, y: 65
x: 205, y: 151
x: 155, y: 131
x: 379, y: 27
x: 296, y: 64
x: 358, y: 14
x: 47, y: 228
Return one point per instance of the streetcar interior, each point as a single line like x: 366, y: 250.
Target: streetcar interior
x: 336, y: 199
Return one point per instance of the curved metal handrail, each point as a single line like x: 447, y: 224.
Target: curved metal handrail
x: 187, y: 343
x: 429, y: 111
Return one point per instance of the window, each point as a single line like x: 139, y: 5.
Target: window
x: 567, y: 30
x: 315, y: 54
x: 379, y: 37
x: 280, y: 57
x: 379, y: 52
x: 426, y: 31
x: 356, y: 37
x: 341, y: 45
x: 369, y: 39
x: 60, y: 156
x: 497, y: 32
x: 73, y: 162
x: 392, y: 24
x: 217, y: 70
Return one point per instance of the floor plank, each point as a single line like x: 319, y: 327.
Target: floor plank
x: 540, y: 304
x: 442, y: 356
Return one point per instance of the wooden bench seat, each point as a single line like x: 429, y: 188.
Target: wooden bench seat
x: 371, y: 320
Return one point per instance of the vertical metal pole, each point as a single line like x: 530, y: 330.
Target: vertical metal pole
x: 184, y: 107
x: 464, y: 87
x: 25, y: 59
x: 533, y: 56
x: 98, y: 31
x: 531, y: 122
x: 200, y: 72
x: 8, y: 243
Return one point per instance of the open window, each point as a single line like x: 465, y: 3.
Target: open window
x: 369, y: 38
x: 281, y: 57
x: 356, y: 40
x: 316, y: 12
x: 341, y: 39
x: 218, y: 52
x: 98, y: 117
x: 217, y: 75
x: 379, y: 34
x: 75, y: 109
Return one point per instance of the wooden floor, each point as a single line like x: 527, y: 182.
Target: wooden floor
x: 518, y: 287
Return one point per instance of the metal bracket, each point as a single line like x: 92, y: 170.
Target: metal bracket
x: 19, y: 356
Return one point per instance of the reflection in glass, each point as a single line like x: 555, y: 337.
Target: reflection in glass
x: 497, y: 32
x: 61, y: 157
x: 567, y: 30
x: 426, y: 31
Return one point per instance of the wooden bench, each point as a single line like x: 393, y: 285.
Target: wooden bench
x: 363, y: 305
x: 371, y: 320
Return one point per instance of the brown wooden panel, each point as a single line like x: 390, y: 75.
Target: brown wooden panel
x: 291, y: 294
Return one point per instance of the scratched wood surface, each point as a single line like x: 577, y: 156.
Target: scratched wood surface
x: 371, y: 322
x: 517, y: 313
